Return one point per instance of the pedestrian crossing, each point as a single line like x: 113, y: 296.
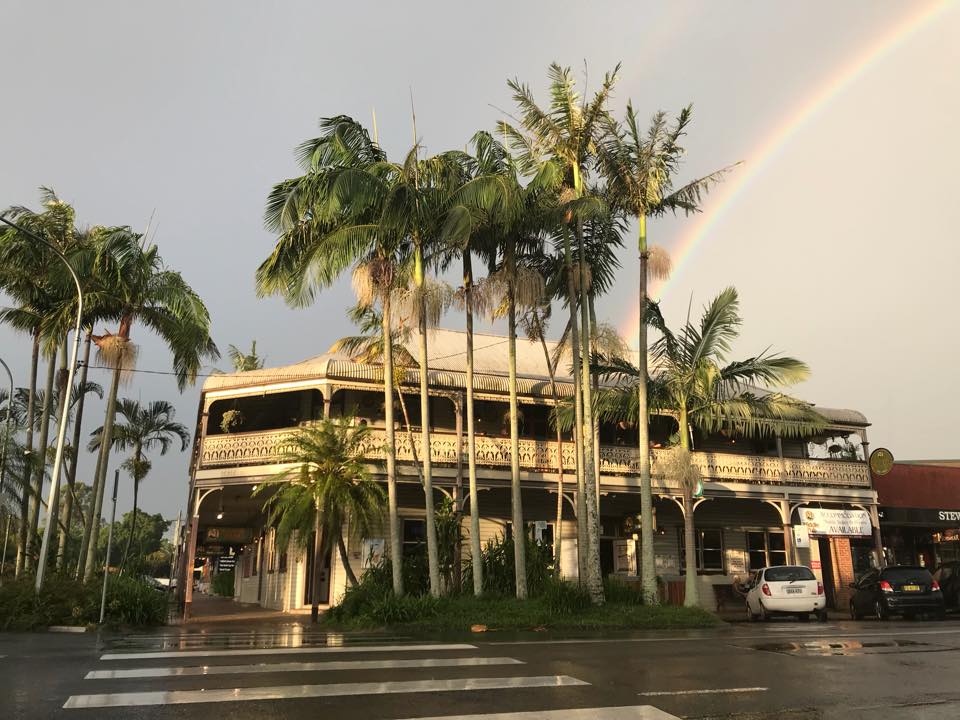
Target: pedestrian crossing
x: 357, y: 673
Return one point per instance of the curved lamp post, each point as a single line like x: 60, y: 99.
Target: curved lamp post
x: 67, y: 392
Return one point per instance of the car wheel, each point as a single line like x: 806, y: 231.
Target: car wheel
x: 764, y: 615
x: 803, y: 617
x: 821, y: 616
x: 854, y: 615
x: 751, y: 615
x: 879, y: 612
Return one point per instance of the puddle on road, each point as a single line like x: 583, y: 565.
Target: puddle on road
x: 848, y: 647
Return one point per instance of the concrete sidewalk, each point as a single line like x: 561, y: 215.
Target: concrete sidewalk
x: 217, y: 609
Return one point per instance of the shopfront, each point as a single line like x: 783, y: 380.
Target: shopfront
x: 920, y: 514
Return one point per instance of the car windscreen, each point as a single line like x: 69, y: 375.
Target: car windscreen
x: 902, y: 575
x: 788, y: 574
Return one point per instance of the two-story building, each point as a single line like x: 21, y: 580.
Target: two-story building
x: 755, y: 491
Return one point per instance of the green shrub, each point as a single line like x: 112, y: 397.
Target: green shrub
x: 617, y: 591
x: 223, y: 584
x: 498, y: 568
x: 65, y: 601
x: 563, y: 598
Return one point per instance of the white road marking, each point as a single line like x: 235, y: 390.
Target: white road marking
x: 287, y: 692
x: 162, y: 655
x: 159, y: 672
x: 633, y: 712
x: 719, y: 691
x: 723, y: 638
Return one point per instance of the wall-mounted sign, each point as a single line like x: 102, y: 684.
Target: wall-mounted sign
x: 373, y: 549
x: 801, y: 536
x: 820, y: 521
x: 236, y: 535
x: 881, y: 461
x: 815, y: 565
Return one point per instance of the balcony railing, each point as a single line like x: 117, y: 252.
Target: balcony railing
x: 267, y: 448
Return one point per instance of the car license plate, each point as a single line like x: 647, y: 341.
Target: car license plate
x: 911, y: 588
x: 794, y: 591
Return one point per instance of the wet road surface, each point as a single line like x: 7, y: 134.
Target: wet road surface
x: 848, y: 670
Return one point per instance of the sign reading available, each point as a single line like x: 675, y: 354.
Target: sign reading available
x: 820, y: 521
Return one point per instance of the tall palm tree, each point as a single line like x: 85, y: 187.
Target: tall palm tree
x: 137, y: 288
x: 143, y: 428
x: 327, y: 487
x: 693, y: 379
x: 639, y: 170
x: 36, y: 279
x: 565, y: 134
x: 337, y: 214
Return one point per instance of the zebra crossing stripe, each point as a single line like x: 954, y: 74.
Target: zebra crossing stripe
x: 167, y: 654
x: 290, y: 692
x: 632, y: 712
x: 160, y: 672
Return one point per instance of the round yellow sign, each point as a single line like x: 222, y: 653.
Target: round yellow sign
x: 881, y: 461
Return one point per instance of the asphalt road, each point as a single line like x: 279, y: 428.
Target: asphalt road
x: 778, y: 670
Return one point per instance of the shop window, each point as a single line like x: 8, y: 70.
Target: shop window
x: 709, y: 551
x: 765, y: 549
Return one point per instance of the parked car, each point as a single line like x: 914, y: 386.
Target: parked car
x: 786, y: 590
x: 948, y: 575
x: 905, y: 590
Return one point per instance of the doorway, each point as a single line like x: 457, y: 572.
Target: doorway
x: 324, y: 587
x: 826, y: 567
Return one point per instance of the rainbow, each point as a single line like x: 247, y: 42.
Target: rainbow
x: 764, y: 153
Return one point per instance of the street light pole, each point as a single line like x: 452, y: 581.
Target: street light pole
x: 67, y: 392
x: 6, y: 430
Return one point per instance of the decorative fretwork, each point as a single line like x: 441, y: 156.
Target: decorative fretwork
x: 265, y: 448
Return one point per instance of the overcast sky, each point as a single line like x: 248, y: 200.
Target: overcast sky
x: 842, y: 241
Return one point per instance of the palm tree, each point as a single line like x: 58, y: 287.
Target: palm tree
x: 327, y: 487
x: 139, y: 288
x: 245, y: 362
x: 32, y: 275
x: 336, y: 215
x: 565, y: 135
x: 693, y: 379
x: 639, y: 169
x: 143, y: 428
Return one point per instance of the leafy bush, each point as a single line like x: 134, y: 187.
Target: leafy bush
x: 617, y: 591
x: 564, y: 598
x: 65, y: 601
x: 498, y: 575
x: 223, y: 584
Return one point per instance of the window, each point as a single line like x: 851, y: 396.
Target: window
x: 709, y: 550
x: 765, y: 548
x: 414, y: 535
x: 271, y: 543
x: 282, y: 563
x: 546, y: 533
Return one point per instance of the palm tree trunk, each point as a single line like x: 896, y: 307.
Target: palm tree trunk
x: 86, y: 520
x: 25, y: 504
x: 41, y: 457
x: 691, y: 594
x: 133, y: 521
x: 519, y: 530
x: 595, y: 385
x: 396, y: 558
x: 106, y: 440
x: 583, y: 537
x: 342, y: 549
x: 318, y: 548
x: 594, y: 576
x: 432, y: 557
x: 648, y: 571
x: 72, y: 470
x: 558, y: 525
x: 408, y: 428
x: 53, y: 512
x: 475, y: 551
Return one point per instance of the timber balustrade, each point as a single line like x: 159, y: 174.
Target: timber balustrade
x: 266, y: 448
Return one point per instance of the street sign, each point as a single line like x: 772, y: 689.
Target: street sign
x: 881, y: 461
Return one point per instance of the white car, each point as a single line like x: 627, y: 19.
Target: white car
x: 786, y: 590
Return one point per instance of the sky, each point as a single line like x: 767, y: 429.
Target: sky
x: 839, y: 229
